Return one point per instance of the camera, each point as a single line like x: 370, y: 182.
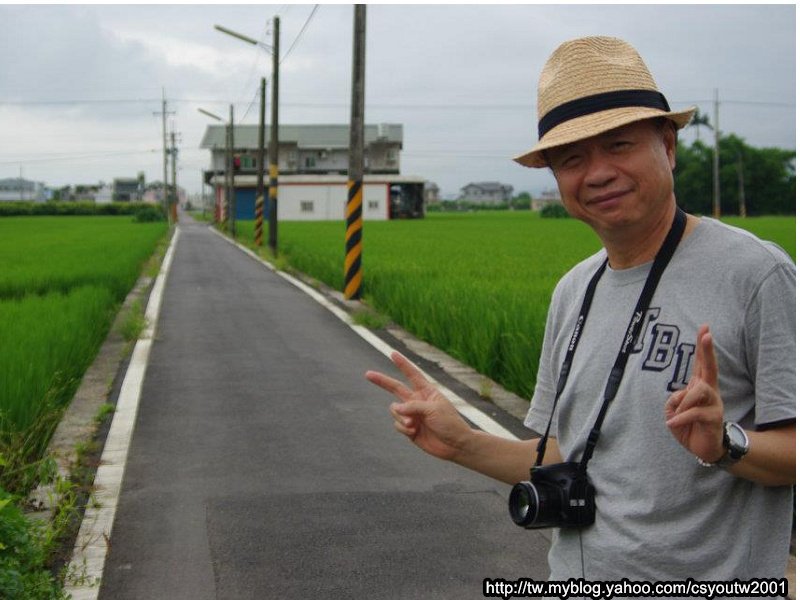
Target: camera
x: 556, y: 496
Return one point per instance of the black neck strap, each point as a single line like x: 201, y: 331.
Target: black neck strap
x: 660, y: 263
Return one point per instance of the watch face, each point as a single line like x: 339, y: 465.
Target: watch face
x: 737, y: 437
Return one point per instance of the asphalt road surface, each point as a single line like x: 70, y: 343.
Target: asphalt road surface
x: 263, y: 465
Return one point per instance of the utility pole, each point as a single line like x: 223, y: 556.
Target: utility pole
x: 352, y: 260
x: 717, y: 210
x: 273, y: 142
x: 203, y: 191
x: 742, y: 207
x: 232, y: 179
x: 164, y: 112
x: 259, y: 234
x: 174, y: 197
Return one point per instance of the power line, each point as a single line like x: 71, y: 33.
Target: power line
x: 299, y: 35
x: 72, y: 156
x: 404, y: 105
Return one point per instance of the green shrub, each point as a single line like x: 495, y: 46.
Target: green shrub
x: 34, y: 209
x: 147, y: 213
x: 554, y: 210
x: 23, y: 571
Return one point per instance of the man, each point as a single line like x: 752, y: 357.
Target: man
x: 695, y: 459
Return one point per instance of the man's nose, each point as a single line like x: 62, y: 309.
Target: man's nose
x: 600, y: 170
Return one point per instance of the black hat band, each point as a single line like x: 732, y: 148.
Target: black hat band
x: 599, y: 102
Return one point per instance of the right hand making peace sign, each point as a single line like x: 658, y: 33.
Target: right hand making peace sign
x: 423, y: 414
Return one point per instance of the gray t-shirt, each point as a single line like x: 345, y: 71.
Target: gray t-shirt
x: 660, y: 515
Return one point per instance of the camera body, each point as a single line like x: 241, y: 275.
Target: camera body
x: 556, y: 496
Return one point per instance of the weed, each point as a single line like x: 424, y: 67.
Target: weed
x: 23, y: 555
x: 370, y: 319
x: 134, y: 322
x: 485, y: 390
x: 104, y: 412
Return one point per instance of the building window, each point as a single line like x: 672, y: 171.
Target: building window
x: 372, y: 205
x: 310, y: 162
x: 307, y: 206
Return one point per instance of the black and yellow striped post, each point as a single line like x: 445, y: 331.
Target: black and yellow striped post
x: 273, y: 208
x: 352, y: 261
x: 259, y: 227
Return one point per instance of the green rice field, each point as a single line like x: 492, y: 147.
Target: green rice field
x: 476, y: 285
x: 61, y: 283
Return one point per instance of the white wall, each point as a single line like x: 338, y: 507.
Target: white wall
x: 328, y: 201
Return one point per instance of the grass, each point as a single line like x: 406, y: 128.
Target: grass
x: 476, y: 285
x: 134, y: 322
x: 62, y: 282
x: 780, y: 230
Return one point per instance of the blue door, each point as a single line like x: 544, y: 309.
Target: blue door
x: 245, y: 204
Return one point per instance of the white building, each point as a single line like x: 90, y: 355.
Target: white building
x: 488, y: 192
x: 17, y: 189
x: 313, y: 163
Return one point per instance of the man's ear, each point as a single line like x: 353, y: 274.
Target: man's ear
x: 669, y: 133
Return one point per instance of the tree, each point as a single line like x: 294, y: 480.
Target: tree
x: 699, y: 119
x: 768, y: 174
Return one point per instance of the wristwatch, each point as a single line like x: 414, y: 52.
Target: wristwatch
x: 736, y: 444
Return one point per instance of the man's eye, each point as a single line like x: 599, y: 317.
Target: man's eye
x: 570, y: 161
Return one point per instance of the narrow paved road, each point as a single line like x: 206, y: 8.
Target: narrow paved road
x: 264, y: 466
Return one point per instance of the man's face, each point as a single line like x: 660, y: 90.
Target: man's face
x: 617, y: 179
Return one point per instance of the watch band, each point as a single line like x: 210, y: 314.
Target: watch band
x: 733, y: 450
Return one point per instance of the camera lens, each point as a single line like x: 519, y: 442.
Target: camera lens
x: 523, y: 503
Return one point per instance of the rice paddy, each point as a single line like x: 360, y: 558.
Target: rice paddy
x: 476, y: 285
x: 61, y: 283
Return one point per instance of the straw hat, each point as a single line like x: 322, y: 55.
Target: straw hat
x: 591, y: 85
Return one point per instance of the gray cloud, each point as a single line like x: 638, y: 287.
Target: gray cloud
x: 461, y: 79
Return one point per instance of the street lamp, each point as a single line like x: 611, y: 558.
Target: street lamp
x: 273, y: 144
x: 230, y: 209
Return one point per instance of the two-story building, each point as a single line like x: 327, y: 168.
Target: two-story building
x: 313, y: 163
x: 488, y: 192
x: 16, y: 189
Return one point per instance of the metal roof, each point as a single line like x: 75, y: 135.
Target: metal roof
x: 305, y: 136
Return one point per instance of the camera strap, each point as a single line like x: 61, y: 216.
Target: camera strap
x: 660, y: 263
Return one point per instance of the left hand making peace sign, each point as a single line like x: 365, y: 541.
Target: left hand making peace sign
x: 694, y: 414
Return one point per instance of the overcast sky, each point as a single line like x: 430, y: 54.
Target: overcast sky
x: 79, y: 85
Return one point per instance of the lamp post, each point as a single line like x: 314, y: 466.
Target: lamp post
x: 273, y: 149
x: 227, y: 210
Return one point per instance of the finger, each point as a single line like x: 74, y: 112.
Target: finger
x: 410, y: 432
x: 710, y: 369
x: 405, y: 425
x: 699, y: 358
x: 695, y: 415
x: 389, y: 384
x: 674, y: 400
x: 700, y: 395
x: 410, y: 370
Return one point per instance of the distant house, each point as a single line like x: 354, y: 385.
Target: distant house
x: 104, y: 195
x: 308, y: 149
x: 545, y: 198
x: 488, y: 192
x: 126, y: 190
x: 16, y: 189
x: 431, y: 191
x: 313, y: 162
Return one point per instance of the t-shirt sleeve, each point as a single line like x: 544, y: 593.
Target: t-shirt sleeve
x: 770, y: 326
